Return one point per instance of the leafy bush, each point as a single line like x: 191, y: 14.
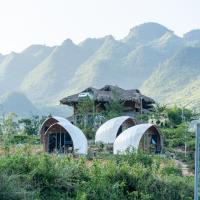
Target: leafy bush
x: 133, y: 176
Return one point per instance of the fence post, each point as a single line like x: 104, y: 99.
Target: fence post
x: 197, y: 162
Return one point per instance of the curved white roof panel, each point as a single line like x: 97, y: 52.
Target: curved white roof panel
x: 107, y: 132
x: 78, y: 137
x: 131, y: 137
x: 56, y: 118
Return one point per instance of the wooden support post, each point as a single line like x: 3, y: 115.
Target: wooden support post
x: 64, y: 142
x: 196, y: 185
x: 47, y: 144
x: 56, y: 142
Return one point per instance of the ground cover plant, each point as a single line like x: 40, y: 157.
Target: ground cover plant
x: 25, y: 175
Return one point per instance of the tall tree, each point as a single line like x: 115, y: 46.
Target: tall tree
x: 31, y: 125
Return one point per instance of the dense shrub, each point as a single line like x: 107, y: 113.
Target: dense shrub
x: 134, y: 176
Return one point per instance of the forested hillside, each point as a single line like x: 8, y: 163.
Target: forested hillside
x: 151, y: 57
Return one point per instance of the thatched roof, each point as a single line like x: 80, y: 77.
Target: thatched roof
x: 107, y: 94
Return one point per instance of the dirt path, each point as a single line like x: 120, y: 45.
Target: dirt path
x: 184, y: 168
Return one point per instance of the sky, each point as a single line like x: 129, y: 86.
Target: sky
x: 50, y: 22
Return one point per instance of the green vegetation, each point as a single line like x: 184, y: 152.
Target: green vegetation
x: 18, y: 132
x: 89, y: 119
x: 174, y: 125
x: 86, y: 117
x: 113, y: 109
x: 154, y: 61
x: 27, y: 173
x: 31, y: 125
x: 134, y: 176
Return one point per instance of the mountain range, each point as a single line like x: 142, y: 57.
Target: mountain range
x: 151, y: 58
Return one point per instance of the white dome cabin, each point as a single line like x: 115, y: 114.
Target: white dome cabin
x: 109, y: 131
x: 146, y: 137
x: 61, y: 136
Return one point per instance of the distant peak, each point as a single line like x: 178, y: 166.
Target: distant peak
x: 149, y: 25
x: 109, y: 37
x: 146, y: 32
x: 12, y: 55
x: 108, y: 43
x: 13, y: 93
x: 192, y: 35
x: 88, y: 41
x: 92, y: 44
x: 68, y: 42
x: 34, y: 48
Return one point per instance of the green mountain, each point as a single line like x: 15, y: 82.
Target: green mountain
x: 39, y: 52
x: 151, y: 57
x: 1, y: 57
x: 145, y: 33
x: 46, y: 80
x: 15, y: 66
x: 18, y: 103
x: 192, y: 38
x: 173, y: 76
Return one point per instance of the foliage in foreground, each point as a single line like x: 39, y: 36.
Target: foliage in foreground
x: 134, y: 176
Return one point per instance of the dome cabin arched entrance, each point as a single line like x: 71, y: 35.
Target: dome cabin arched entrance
x: 146, y: 137
x: 58, y: 135
x: 111, y: 129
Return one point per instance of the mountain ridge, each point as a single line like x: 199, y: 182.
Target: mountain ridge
x: 150, y: 58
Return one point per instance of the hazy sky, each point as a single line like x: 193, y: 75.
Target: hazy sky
x: 26, y: 22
